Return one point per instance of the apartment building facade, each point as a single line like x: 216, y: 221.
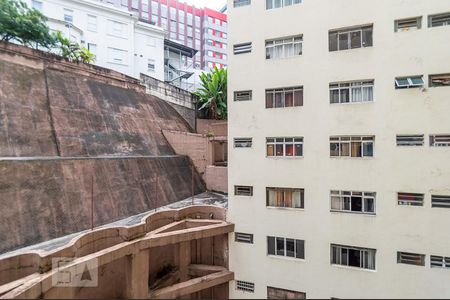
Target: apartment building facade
x: 203, y: 29
x: 117, y: 38
x: 339, y: 158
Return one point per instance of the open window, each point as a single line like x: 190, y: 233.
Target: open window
x: 409, y: 82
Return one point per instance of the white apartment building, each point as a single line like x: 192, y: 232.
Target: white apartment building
x: 339, y: 159
x: 117, y: 38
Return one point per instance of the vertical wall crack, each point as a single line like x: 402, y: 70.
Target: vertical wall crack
x: 50, y: 114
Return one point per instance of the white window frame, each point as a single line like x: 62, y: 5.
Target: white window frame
x: 363, y: 253
x: 114, y: 30
x: 283, y: 3
x: 416, y: 199
x: 350, y: 86
x: 277, y: 141
x: 112, y: 59
x: 349, y: 32
x: 364, y: 140
x: 240, y: 143
x: 276, y: 238
x: 281, y: 44
x: 284, y: 190
x: 283, y: 92
x: 437, y: 261
x: 68, y: 14
x: 151, y: 62
x: 410, y: 80
x: 344, y: 196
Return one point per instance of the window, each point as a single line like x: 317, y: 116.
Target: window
x: 242, y: 48
x: 117, y: 29
x: 245, y: 286
x: 117, y: 56
x: 439, y: 262
x: 411, y: 258
x: 439, y: 80
x: 440, y: 201
x: 270, y: 4
x: 440, y: 140
x: 240, y: 190
x: 410, y: 140
x: 284, y: 97
x: 353, y: 202
x: 353, y: 256
x: 281, y: 246
x: 243, y: 96
x: 92, y: 48
x: 352, y: 38
x: 284, y: 147
x: 408, y: 24
x: 243, y: 237
x: 352, y: 146
x: 37, y: 5
x: 92, y: 23
x: 68, y: 15
x: 151, y: 65
x: 285, y: 197
x: 439, y: 20
x: 276, y: 293
x: 239, y: 3
x: 242, y: 142
x: 410, y: 199
x: 284, y: 47
x: 409, y: 82
x: 351, y: 92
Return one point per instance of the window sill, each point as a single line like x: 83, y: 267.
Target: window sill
x: 285, y: 208
x: 302, y: 260
x: 352, y: 158
x: 353, y: 213
x: 118, y: 36
x: 352, y: 103
x: 284, y: 58
x: 353, y: 268
x: 284, y: 157
x: 286, y: 107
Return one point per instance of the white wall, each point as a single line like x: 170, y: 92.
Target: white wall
x: 393, y: 169
x: 139, y: 40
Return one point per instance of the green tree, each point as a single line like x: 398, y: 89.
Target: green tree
x: 25, y: 25
x: 213, y: 93
x: 72, y: 51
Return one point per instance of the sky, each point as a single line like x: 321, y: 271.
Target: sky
x: 214, y: 4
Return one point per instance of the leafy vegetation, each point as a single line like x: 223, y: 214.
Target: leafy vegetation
x: 213, y: 94
x: 28, y: 27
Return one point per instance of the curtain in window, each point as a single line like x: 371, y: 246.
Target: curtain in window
x: 280, y: 199
x: 279, y: 149
x: 297, y: 199
x: 368, y: 149
x: 270, y: 150
x: 288, y: 199
x: 278, y: 99
x: 370, y: 260
x: 367, y: 93
x: 336, y: 202
x: 345, y: 149
x: 269, y: 100
x: 272, y: 198
x: 367, y: 39
x: 278, y: 51
x: 269, y: 4
x: 345, y: 95
x: 288, y: 49
x: 343, y: 41
x: 298, y: 49
x: 356, y: 94
x: 355, y: 39
x: 288, y: 99
x: 334, y: 96
x: 289, y: 150
x: 298, y: 98
x: 298, y: 150
x: 356, y: 149
x: 269, y: 52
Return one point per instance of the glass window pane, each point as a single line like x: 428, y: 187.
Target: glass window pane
x: 279, y: 150
x: 343, y: 41
x: 270, y: 150
x: 288, y: 99
x: 345, y: 149
x: 269, y: 100
x: 345, y: 95
x: 278, y: 99
x: 298, y: 98
x: 271, y: 245
x: 369, y: 205
x: 272, y: 198
x: 290, y: 150
x: 354, y: 258
x: 333, y: 41
x: 298, y: 150
x: 346, y: 203
x: 300, y: 249
x: 297, y: 199
x: 334, y: 149
x: 356, y: 204
x: 336, y: 203
x: 356, y: 39
x: 280, y: 246
x: 290, y: 247
x: 367, y: 38
x: 334, y: 96
x: 356, y: 149
x: 368, y: 93
x: 368, y: 149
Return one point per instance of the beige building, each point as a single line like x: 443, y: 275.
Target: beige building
x: 339, y: 166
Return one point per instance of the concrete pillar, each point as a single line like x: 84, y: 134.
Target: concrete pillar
x: 136, y: 274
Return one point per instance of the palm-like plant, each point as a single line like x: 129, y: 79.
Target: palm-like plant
x: 213, y: 93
